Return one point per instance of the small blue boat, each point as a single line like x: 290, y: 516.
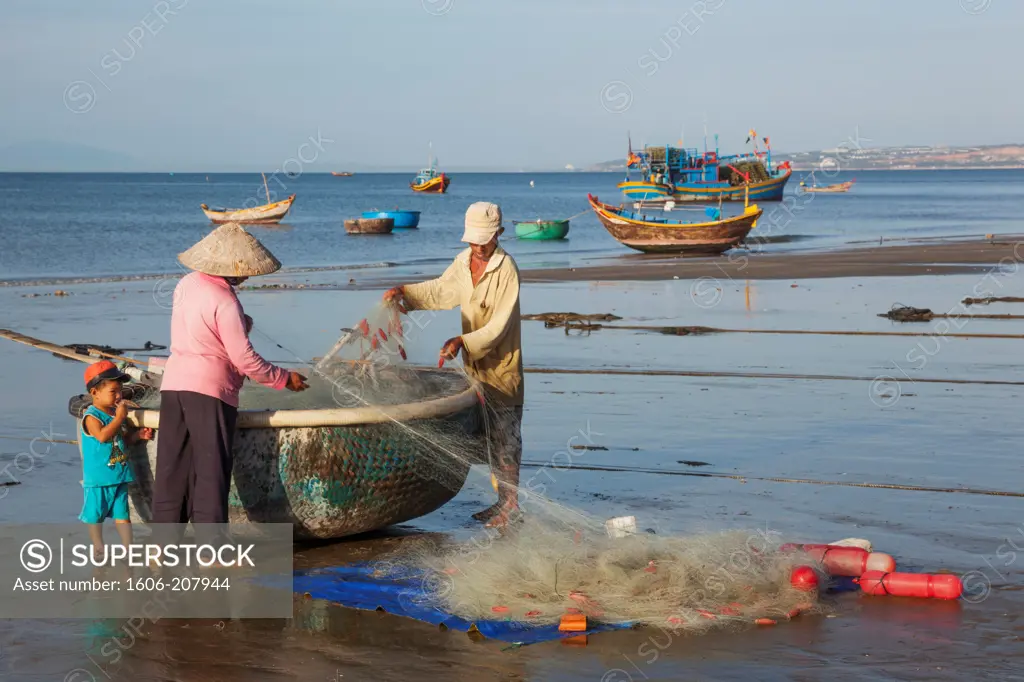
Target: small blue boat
x: 401, y: 218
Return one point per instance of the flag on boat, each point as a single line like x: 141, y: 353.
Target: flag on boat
x: 631, y: 158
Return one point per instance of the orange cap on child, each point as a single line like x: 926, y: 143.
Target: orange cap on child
x: 101, y: 371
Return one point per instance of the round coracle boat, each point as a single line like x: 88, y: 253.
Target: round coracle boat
x: 338, y: 471
x: 370, y: 226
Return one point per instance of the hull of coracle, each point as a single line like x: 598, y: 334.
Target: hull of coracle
x: 542, y: 230
x: 369, y: 226
x: 330, y: 481
x: 403, y: 219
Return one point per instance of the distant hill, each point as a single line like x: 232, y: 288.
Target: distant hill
x: 911, y: 158
x: 47, y: 155
x: 69, y: 157
x: 607, y: 166
x: 887, y: 158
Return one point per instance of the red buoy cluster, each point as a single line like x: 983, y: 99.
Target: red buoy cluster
x: 875, y: 572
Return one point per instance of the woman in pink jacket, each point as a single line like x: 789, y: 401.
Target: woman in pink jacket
x: 210, y: 358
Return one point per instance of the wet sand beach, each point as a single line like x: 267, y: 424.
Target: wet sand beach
x: 931, y: 257
x: 887, y: 428
x: 877, y: 261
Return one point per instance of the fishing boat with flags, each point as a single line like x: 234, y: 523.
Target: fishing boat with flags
x: 687, y: 174
x: 430, y: 180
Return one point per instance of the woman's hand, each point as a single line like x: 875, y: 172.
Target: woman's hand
x: 145, y: 434
x: 450, y: 350
x: 396, y: 296
x: 296, y: 382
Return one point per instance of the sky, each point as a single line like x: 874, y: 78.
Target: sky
x: 194, y: 85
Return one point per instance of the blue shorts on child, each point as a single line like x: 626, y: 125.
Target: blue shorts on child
x: 105, y: 502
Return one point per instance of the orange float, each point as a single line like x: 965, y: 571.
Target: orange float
x: 573, y: 622
x: 922, y: 585
x: 846, y: 561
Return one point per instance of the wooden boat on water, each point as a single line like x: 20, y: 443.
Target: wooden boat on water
x: 267, y: 214
x: 430, y: 181
x: 660, y: 235
x: 343, y: 174
x: 683, y: 174
x: 369, y: 226
x: 541, y: 230
x: 837, y: 188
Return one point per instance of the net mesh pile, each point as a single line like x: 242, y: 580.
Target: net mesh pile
x: 755, y: 170
x: 542, y: 569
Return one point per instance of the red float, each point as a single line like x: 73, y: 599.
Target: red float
x: 846, y: 561
x: 942, y: 586
x: 804, y: 579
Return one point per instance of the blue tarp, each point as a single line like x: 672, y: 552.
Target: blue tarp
x: 355, y: 586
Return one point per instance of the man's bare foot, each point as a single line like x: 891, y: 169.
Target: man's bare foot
x: 489, y: 513
x: 505, y: 516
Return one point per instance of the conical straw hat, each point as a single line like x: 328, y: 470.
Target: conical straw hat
x: 230, y: 251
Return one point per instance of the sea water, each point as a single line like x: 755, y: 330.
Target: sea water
x: 65, y: 227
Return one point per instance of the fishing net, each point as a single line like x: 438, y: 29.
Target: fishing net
x: 734, y: 175
x: 551, y: 559
x: 544, y: 568
x: 675, y: 156
x: 365, y: 368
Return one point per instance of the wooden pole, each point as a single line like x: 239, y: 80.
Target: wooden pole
x: 130, y: 361
x: 265, y: 186
x: 94, y: 353
x: 43, y: 345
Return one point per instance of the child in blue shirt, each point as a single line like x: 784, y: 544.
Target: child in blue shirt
x: 104, y: 453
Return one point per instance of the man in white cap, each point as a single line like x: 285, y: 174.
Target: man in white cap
x: 483, y: 282
x: 210, y: 358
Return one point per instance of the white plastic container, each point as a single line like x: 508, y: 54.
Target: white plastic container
x: 620, y: 526
x: 853, y: 542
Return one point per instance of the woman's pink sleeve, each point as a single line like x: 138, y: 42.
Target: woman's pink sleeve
x: 231, y: 327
